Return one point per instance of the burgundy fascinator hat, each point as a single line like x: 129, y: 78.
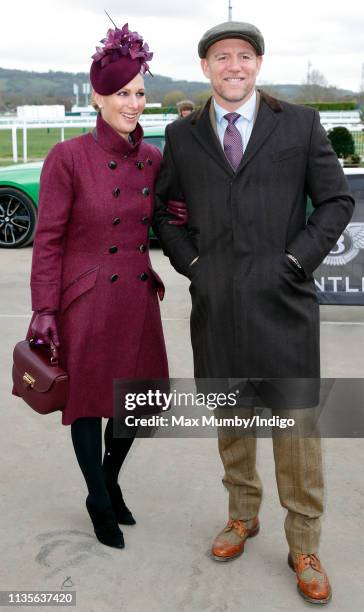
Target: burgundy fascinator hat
x: 121, y: 58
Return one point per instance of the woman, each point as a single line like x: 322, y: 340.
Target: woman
x: 94, y: 291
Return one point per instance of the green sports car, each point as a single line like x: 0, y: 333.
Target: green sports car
x: 19, y: 192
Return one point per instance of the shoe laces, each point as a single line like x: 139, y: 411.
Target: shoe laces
x: 236, y: 525
x: 311, y: 561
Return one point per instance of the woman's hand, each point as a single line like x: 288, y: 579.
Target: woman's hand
x: 44, y: 328
x: 179, y: 210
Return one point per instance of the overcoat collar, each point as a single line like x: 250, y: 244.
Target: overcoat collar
x: 266, y: 121
x: 112, y: 142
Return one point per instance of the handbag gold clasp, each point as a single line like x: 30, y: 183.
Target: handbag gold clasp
x: 29, y: 380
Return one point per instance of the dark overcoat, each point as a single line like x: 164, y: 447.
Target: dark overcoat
x: 91, y: 264
x: 252, y: 314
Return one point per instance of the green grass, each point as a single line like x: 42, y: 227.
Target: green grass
x: 40, y: 141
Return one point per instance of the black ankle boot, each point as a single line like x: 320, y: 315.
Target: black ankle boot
x: 105, y: 525
x: 122, y: 512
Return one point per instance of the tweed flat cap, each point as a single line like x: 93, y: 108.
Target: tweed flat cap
x: 232, y: 29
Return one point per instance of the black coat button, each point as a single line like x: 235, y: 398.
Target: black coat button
x: 145, y: 192
x: 140, y: 165
x: 144, y: 220
x: 113, y: 249
x: 116, y: 192
x: 116, y: 221
x: 114, y: 277
x: 142, y: 248
x: 143, y: 276
x: 112, y: 164
x: 149, y: 162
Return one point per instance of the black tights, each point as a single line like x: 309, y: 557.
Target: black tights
x: 87, y: 442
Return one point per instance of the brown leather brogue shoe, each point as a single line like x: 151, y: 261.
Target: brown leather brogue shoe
x: 229, y: 543
x: 312, y: 581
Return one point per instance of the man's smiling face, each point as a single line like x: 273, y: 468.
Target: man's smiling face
x: 232, y: 66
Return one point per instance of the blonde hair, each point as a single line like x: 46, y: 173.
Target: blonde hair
x: 94, y: 104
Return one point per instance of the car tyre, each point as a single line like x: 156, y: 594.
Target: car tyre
x: 18, y: 218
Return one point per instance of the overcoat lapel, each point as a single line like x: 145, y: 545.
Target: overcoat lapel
x: 266, y: 121
x: 205, y: 134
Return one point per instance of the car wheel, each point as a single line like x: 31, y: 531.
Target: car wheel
x: 18, y: 217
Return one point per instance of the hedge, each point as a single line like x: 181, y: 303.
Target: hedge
x: 332, y: 106
x: 320, y: 106
x: 160, y: 111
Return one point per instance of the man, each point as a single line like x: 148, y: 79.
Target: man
x: 185, y: 108
x: 244, y: 165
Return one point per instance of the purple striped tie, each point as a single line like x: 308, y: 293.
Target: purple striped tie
x: 233, y: 144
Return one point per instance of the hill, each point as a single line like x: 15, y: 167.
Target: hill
x: 55, y: 87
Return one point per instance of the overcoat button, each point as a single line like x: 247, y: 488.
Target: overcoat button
x: 143, y: 276
x: 144, y: 220
x: 112, y: 164
x: 116, y: 221
x: 140, y: 165
x: 114, y: 277
x: 116, y: 192
x: 149, y: 162
x: 142, y: 248
x: 113, y: 249
x: 145, y: 192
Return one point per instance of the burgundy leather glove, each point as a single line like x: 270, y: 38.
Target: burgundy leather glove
x: 44, y: 328
x: 179, y: 210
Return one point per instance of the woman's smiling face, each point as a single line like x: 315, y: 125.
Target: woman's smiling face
x: 122, y: 109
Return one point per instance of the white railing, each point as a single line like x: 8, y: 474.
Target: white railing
x: 348, y: 119
x: 13, y: 124
x: 329, y: 119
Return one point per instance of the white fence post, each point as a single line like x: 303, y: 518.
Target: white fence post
x: 14, y: 144
x: 62, y: 134
x: 25, y: 144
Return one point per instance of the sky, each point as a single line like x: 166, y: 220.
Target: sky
x: 44, y: 35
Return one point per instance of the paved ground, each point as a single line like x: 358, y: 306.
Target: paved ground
x: 173, y: 487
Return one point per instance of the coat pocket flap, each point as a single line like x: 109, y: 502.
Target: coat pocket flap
x: 159, y: 283
x: 287, y: 153
x: 77, y: 287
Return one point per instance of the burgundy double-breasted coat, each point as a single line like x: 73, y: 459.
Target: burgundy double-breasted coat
x: 91, y: 264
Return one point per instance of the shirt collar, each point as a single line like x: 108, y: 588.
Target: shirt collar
x: 246, y: 110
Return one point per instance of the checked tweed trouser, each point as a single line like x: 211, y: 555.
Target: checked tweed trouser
x: 298, y: 468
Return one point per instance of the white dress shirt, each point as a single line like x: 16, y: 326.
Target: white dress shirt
x: 244, y: 123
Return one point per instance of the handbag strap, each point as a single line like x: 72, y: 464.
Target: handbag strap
x: 54, y: 357
x: 54, y: 354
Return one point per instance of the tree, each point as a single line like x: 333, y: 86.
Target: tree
x: 201, y: 97
x: 317, y: 78
x: 2, y: 103
x: 172, y: 97
x: 342, y: 141
x: 276, y: 91
x: 316, y: 88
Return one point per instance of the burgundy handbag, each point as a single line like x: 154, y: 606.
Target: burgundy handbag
x: 37, y: 377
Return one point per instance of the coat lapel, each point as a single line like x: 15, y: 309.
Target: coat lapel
x: 207, y: 137
x: 203, y: 127
x: 266, y: 121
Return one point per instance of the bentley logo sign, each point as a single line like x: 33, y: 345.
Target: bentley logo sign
x: 347, y: 247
